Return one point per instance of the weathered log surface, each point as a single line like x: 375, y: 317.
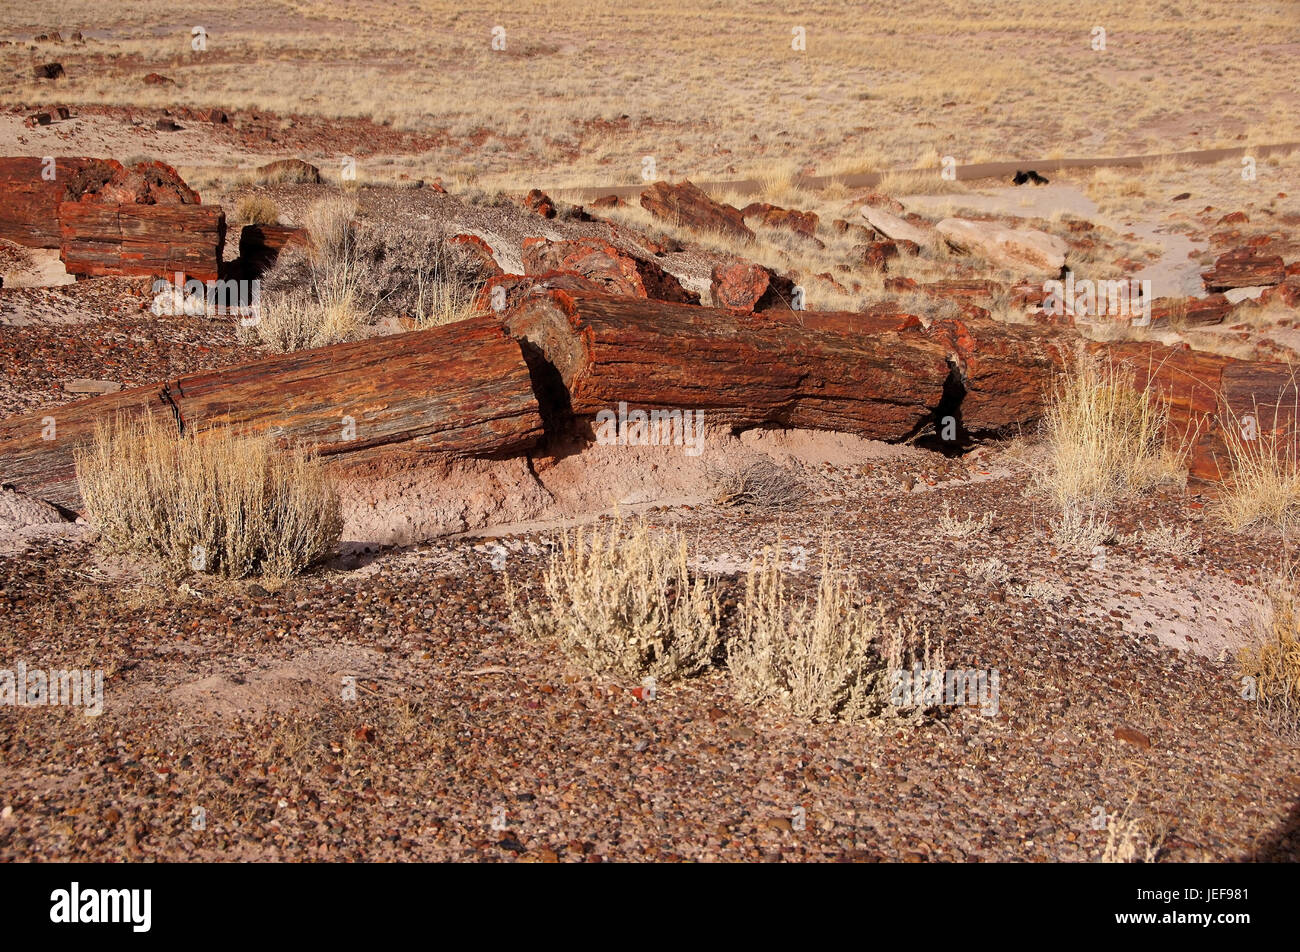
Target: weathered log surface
x: 1209, y: 399
x: 150, y: 240
x: 878, y: 375
x: 30, y: 199
x: 462, y: 390
x: 1006, y: 370
x: 1244, y: 268
x: 472, y: 390
x: 33, y: 190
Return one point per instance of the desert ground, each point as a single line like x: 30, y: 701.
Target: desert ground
x: 472, y: 628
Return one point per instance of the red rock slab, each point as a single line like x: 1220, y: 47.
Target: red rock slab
x: 617, y: 272
x: 686, y: 204
x: 747, y: 287
x: 1244, y: 268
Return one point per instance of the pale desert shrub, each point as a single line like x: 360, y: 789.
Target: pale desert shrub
x: 1106, y: 437
x: 956, y: 527
x: 216, y: 502
x: 755, y: 481
x: 288, y: 174
x: 289, y: 321
x: 1170, y: 540
x: 1081, y: 530
x: 621, y: 602
x: 333, y: 305
x: 827, y: 659
x: 1130, y: 840
x: 446, y: 291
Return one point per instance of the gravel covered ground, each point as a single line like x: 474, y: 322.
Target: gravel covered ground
x: 100, y: 329
x: 226, y: 732
x: 383, y: 708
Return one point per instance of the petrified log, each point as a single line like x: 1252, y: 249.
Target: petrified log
x: 741, y: 285
x: 1211, y: 399
x: 772, y: 216
x: 260, y: 245
x: 31, y: 191
x: 616, y: 271
x: 1005, y: 371
x: 878, y: 375
x: 461, y: 390
x: 156, y: 240
x: 686, y: 204
x: 1244, y: 268
x: 1190, y: 312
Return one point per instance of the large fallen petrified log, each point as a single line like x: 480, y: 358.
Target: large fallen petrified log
x: 462, y: 390
x: 470, y: 390
x: 32, y: 190
x: 880, y: 374
x: 148, y: 240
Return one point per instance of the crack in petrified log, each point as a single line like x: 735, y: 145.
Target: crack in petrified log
x: 880, y: 375
x: 165, y: 395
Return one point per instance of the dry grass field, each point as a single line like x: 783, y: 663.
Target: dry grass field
x: 582, y: 92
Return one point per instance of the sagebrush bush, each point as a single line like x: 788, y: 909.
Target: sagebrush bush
x: 755, y: 481
x: 825, y: 660
x: 1106, y: 437
x: 446, y: 288
x: 622, y: 602
x: 334, y: 303
x: 289, y: 321
x: 216, y: 502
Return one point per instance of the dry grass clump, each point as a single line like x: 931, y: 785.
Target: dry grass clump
x: 621, y: 602
x: 216, y: 502
x: 1165, y: 538
x: 290, y: 174
x: 1264, y: 484
x: 1130, y: 840
x: 257, y: 210
x: 1079, y: 529
x: 1273, y: 659
x: 289, y: 321
x: 955, y: 527
x: 826, y: 661
x: 1105, y: 436
x: 443, y: 292
x: 332, y: 307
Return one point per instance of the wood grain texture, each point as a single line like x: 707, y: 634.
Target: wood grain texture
x: 461, y: 390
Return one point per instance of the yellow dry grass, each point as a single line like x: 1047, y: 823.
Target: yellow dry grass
x: 218, y: 502
x: 581, y: 93
x: 1272, y: 659
x: 826, y: 658
x: 621, y: 601
x: 1106, y: 436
